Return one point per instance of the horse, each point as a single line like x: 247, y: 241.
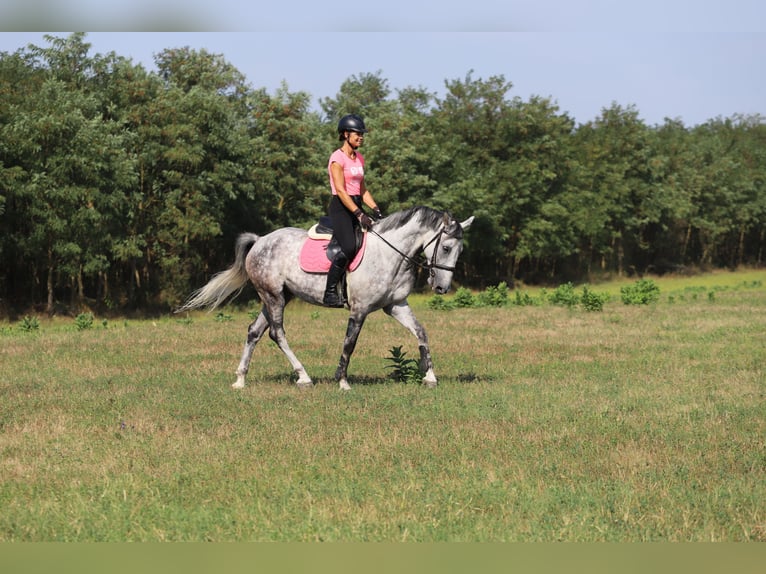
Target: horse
x: 383, y: 280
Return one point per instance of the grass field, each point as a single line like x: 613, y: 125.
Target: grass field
x: 636, y: 423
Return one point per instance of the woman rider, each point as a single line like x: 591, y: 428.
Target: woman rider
x: 346, y: 171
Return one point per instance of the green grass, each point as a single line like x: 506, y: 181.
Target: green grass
x: 636, y: 423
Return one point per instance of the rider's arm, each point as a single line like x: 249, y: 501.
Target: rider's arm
x: 367, y: 197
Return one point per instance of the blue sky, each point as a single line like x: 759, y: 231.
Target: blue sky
x: 681, y: 59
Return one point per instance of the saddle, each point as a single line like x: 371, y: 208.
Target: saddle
x: 320, y: 247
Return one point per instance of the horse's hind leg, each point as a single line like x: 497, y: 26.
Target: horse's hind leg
x: 402, y: 312
x: 276, y: 307
x: 254, y: 333
x: 355, y: 324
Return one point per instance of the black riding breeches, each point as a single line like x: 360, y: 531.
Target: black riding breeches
x: 344, y: 225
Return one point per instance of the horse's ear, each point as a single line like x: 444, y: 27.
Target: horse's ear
x: 467, y: 223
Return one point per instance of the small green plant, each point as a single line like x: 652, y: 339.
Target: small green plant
x: 403, y: 370
x: 464, y: 298
x: 83, y: 321
x: 439, y: 303
x: 524, y: 299
x: 494, y: 296
x: 222, y: 317
x: 642, y: 292
x: 592, y: 301
x: 29, y: 324
x: 564, y: 295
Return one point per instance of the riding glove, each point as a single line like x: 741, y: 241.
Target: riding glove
x: 364, y: 219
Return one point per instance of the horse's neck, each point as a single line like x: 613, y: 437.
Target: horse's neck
x: 409, y: 238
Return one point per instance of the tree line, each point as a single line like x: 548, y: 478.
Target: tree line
x: 125, y: 188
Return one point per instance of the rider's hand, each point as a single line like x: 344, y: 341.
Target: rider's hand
x: 364, y: 219
x: 377, y: 214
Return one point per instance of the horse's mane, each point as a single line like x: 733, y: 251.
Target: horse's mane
x: 428, y: 216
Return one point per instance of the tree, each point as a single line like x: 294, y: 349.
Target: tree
x: 614, y: 153
x: 360, y: 94
x: 65, y: 157
x: 288, y: 166
x: 509, y: 165
x: 402, y: 151
x: 126, y: 188
x: 192, y: 147
x: 728, y: 202
x: 18, y: 82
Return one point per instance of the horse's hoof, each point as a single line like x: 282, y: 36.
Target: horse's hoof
x: 344, y: 386
x: 304, y: 384
x: 240, y: 382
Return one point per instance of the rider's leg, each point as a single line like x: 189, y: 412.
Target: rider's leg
x: 343, y: 225
x: 338, y: 267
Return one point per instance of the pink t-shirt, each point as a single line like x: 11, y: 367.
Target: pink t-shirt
x: 353, y: 171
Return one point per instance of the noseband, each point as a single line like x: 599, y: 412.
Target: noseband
x: 430, y: 265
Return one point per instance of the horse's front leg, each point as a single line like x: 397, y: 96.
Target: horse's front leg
x: 402, y: 312
x: 355, y: 323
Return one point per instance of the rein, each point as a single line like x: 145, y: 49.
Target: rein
x: 430, y: 265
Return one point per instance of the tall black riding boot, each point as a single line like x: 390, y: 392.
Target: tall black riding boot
x: 331, y: 296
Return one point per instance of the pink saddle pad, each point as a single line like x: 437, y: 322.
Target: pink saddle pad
x: 313, y: 256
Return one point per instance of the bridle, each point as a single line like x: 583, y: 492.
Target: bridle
x: 430, y: 265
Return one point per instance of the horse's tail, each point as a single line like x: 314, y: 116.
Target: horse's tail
x: 223, y: 284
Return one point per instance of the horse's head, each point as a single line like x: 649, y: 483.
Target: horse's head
x: 443, y: 250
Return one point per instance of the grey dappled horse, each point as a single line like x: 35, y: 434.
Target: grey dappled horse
x: 383, y: 280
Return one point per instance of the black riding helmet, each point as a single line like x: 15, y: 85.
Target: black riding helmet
x: 351, y: 123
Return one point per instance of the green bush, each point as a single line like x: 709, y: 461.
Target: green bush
x: 564, y: 295
x: 29, y: 324
x: 592, y: 301
x: 498, y: 296
x: 463, y: 298
x: 83, y: 321
x: 439, y: 303
x: 525, y: 299
x: 494, y: 296
x: 642, y: 292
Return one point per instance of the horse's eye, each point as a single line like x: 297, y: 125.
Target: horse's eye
x: 446, y: 248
